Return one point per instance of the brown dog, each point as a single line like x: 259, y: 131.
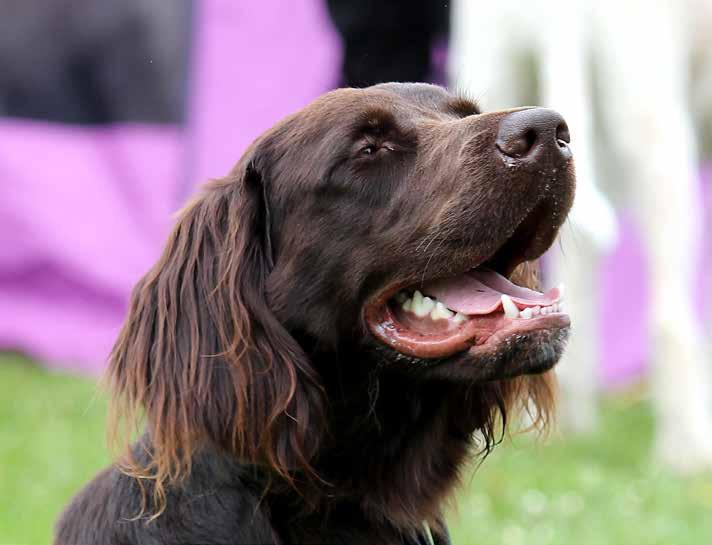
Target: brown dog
x: 330, y: 325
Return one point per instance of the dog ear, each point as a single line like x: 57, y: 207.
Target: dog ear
x: 202, y: 356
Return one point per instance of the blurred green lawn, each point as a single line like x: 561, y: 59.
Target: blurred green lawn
x: 599, y: 490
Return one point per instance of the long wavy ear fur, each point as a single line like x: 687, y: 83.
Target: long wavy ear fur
x: 202, y: 358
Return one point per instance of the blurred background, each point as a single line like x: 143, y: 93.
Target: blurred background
x: 112, y: 113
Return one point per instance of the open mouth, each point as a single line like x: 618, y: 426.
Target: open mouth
x: 474, y: 311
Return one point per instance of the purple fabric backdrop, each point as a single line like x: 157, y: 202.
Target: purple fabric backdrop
x: 255, y: 63
x: 623, y: 328
x: 84, y: 211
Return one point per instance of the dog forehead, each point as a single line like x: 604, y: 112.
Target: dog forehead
x: 343, y: 105
x: 331, y: 118
x: 326, y: 125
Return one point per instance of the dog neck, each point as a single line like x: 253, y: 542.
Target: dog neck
x: 398, y: 461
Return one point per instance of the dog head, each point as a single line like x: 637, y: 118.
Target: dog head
x: 396, y: 222
x: 389, y: 200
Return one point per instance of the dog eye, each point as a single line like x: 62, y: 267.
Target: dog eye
x: 371, y: 149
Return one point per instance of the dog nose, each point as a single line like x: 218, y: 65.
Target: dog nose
x: 525, y: 133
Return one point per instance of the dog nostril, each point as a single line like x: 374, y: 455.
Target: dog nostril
x: 529, y: 139
x: 518, y: 145
x: 563, y: 137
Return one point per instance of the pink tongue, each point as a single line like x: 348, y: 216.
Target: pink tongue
x: 480, y: 292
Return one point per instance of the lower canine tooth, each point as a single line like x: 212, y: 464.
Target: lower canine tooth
x: 510, y: 309
x: 441, y: 312
x: 536, y: 311
x: 526, y: 313
x: 408, y: 305
x: 460, y: 318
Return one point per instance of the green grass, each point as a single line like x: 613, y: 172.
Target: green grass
x: 603, y: 489
x: 51, y: 441
x: 599, y: 490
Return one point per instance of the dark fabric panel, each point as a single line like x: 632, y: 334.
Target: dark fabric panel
x: 387, y: 41
x: 94, y: 61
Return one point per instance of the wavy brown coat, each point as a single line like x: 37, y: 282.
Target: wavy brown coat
x: 271, y: 414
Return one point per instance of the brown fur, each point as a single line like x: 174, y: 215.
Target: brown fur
x: 246, y: 353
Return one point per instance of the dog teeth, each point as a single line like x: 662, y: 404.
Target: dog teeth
x: 426, y: 306
x: 423, y: 306
x: 531, y: 312
x: 441, y: 312
x: 510, y: 309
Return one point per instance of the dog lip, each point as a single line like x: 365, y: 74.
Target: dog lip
x: 471, y: 337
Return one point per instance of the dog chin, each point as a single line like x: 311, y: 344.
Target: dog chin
x: 527, y: 353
